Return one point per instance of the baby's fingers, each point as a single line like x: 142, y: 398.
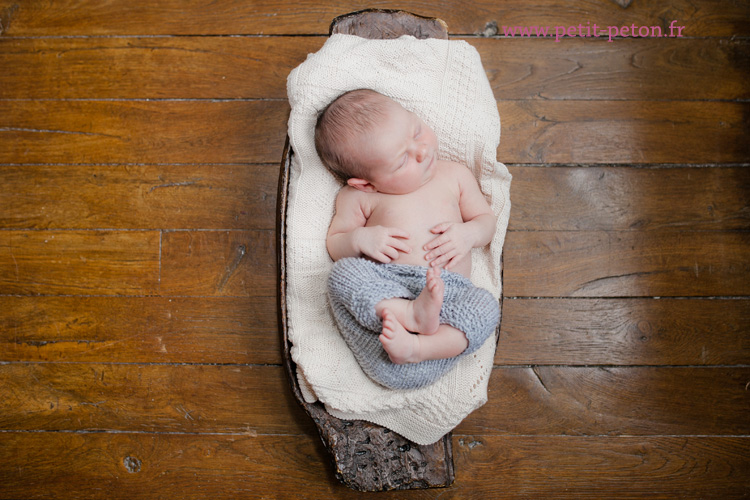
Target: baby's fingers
x: 397, y: 232
x: 443, y: 259
x: 452, y: 262
x: 441, y: 228
x: 382, y: 257
x: 399, y: 245
x: 390, y: 252
x: 436, y: 242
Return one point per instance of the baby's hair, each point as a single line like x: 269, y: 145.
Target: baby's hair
x: 348, y: 117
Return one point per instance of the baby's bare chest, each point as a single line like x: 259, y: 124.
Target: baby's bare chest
x: 426, y: 205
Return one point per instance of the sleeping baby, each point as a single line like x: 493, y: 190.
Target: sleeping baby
x: 401, y: 217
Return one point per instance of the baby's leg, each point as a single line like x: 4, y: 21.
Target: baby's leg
x: 421, y: 315
x: 404, y: 347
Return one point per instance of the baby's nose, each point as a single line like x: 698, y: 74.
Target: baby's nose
x: 421, y: 152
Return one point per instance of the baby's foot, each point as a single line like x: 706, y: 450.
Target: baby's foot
x: 426, y: 307
x: 401, y: 346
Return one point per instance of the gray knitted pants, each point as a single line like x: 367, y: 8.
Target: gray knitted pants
x: 356, y: 285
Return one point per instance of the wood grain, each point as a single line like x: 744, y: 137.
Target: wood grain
x: 137, y: 68
x: 221, y: 263
x: 242, y: 263
x: 138, y: 196
x: 149, y: 397
x: 257, y: 67
x: 626, y: 264
x: 632, y: 132
x: 142, y: 131
x: 271, y: 17
x: 245, y: 331
x: 625, y: 198
x: 630, y: 69
x: 388, y: 24
x: 564, y: 400
x: 539, y: 400
x: 79, y: 262
x: 244, y: 197
x: 135, y: 465
x: 253, y: 131
x: 140, y: 329
x: 624, y: 332
x: 604, y: 467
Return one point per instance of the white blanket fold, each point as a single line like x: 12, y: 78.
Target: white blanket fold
x: 444, y: 83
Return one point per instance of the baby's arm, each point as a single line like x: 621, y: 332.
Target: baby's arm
x: 348, y: 236
x: 456, y: 240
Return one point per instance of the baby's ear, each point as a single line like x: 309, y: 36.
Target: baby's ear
x: 361, y: 184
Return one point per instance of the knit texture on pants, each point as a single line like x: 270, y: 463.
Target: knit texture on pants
x: 356, y: 285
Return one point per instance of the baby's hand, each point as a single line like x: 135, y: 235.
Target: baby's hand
x: 455, y: 241
x: 381, y: 243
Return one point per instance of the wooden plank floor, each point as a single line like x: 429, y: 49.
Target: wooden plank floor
x: 139, y: 339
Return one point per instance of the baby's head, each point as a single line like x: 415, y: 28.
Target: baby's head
x: 342, y: 124
x: 372, y: 143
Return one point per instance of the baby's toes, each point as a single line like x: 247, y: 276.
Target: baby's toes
x: 387, y: 332
x: 388, y: 326
x: 436, y: 285
x: 431, y: 279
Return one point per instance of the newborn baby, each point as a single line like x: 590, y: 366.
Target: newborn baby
x: 402, y: 215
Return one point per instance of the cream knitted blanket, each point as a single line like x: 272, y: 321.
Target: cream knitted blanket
x: 444, y: 83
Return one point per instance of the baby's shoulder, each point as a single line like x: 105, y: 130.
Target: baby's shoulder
x: 454, y: 171
x: 351, y: 198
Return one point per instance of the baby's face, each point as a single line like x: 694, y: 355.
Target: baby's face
x: 400, y: 153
